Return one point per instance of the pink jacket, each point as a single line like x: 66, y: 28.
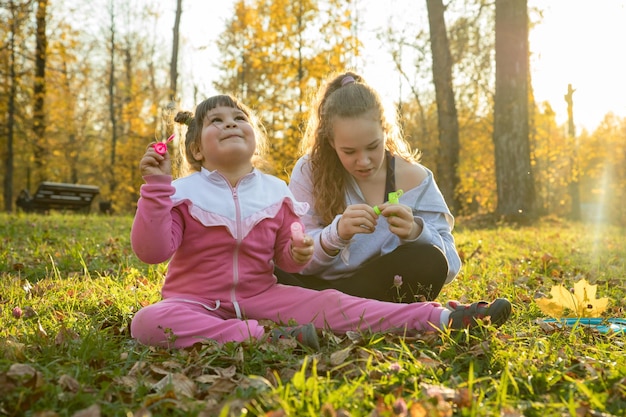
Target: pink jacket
x: 223, y: 242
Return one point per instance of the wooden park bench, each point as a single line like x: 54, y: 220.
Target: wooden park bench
x: 58, y: 196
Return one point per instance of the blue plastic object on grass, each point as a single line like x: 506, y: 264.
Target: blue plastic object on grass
x: 601, y: 324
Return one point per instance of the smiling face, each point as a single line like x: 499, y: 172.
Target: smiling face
x: 227, y: 139
x: 360, y: 145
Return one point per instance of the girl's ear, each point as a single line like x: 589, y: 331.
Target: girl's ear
x: 195, y: 152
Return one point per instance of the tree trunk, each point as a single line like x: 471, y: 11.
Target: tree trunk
x: 39, y: 92
x: 516, y: 197
x: 174, y: 61
x: 574, y: 187
x: 112, y: 107
x: 9, y: 160
x: 448, y: 156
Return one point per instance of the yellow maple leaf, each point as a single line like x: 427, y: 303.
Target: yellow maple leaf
x: 581, y: 303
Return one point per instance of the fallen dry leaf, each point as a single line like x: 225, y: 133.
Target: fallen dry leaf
x: 179, y: 383
x: 21, y: 371
x: 340, y: 356
x: 92, y: 411
x: 581, y: 303
x: 428, y: 362
x: 68, y: 383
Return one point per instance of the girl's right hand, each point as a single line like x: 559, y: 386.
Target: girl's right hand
x: 357, y: 218
x: 153, y: 163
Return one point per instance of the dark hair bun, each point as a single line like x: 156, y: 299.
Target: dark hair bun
x: 184, y: 117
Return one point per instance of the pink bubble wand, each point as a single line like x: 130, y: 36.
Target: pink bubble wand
x: 161, y: 147
x: 297, y: 235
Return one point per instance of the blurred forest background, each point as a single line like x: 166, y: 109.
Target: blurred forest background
x: 80, y: 103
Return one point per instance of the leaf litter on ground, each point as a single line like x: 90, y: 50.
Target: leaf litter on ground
x: 73, y: 354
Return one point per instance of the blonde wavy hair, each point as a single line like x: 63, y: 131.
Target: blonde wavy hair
x: 345, y: 95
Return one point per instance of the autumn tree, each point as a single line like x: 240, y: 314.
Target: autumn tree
x: 175, y: 45
x: 551, y: 152
x: 112, y: 98
x: 448, y: 156
x: 409, y: 48
x: 100, y: 85
x: 72, y: 113
x: 571, y: 133
x: 470, y: 38
x: 602, y: 167
x: 512, y: 150
x: 39, y: 93
x: 472, y: 44
x: 90, y: 136
x: 75, y: 120
x: 14, y: 53
x: 274, y: 53
x: 60, y: 101
x: 136, y: 99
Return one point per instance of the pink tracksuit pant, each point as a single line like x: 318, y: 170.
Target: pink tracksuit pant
x: 181, y: 323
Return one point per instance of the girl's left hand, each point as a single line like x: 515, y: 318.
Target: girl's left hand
x: 303, y: 252
x: 400, y: 220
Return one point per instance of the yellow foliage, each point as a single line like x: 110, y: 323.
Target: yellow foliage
x: 581, y: 303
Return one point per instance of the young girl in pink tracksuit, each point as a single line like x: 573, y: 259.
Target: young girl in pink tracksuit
x: 225, y: 227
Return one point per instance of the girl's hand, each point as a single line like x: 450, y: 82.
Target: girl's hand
x: 303, y: 251
x: 152, y: 163
x: 357, y: 218
x: 401, y: 221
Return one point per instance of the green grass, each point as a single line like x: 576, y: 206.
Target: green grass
x: 78, y: 284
